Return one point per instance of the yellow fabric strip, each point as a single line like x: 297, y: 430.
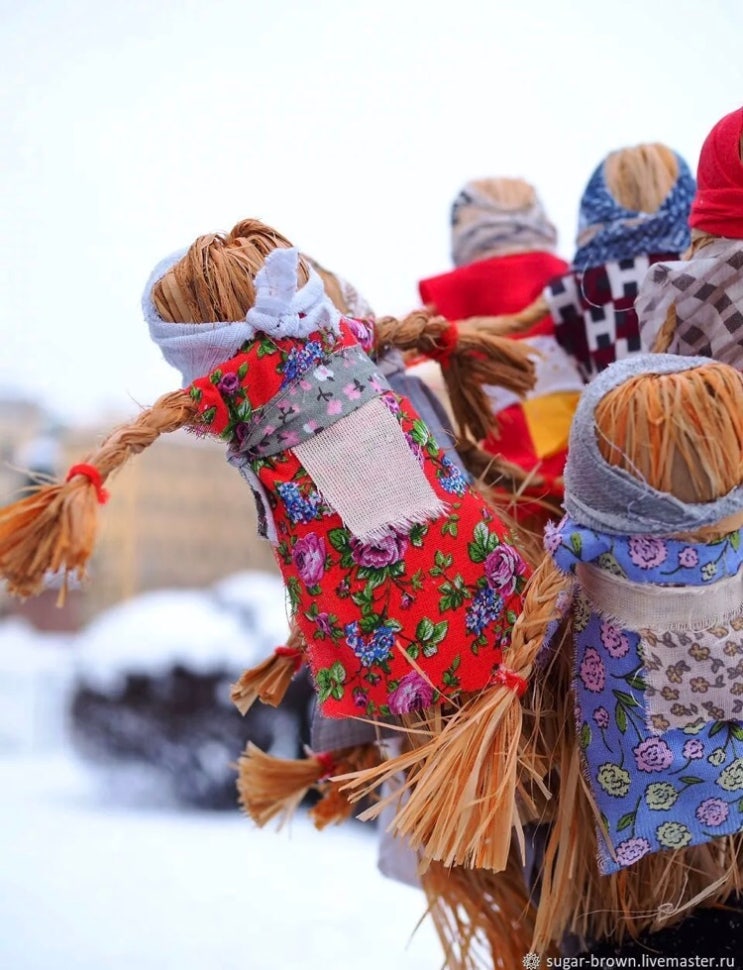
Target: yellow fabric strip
x: 548, y: 418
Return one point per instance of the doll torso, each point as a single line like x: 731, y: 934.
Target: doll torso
x: 440, y: 594
x: 658, y: 710
x: 705, y: 292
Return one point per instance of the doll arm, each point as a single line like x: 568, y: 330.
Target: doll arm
x: 55, y: 528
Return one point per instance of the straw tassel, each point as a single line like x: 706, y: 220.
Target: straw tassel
x: 50, y: 530
x: 270, y: 787
x: 334, y: 807
x: 464, y: 774
x: 480, y: 360
x: 270, y: 679
x: 484, y: 920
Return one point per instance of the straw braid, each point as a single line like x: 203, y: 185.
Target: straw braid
x: 55, y: 528
x: 508, y: 324
x: 475, y: 359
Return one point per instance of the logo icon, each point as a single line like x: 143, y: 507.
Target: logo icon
x: 532, y: 961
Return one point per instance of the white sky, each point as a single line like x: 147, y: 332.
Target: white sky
x: 128, y: 129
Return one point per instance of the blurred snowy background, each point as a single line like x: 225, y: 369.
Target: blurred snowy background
x: 116, y: 746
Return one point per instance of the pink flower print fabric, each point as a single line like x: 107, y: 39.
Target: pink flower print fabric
x: 663, y: 758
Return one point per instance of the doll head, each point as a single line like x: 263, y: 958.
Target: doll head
x: 656, y: 447
x: 201, y: 305
x: 641, y: 177
x: 717, y: 205
x: 214, y: 279
x: 498, y: 216
x: 636, y: 202
x: 656, y: 427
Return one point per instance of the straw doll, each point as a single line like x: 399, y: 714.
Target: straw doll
x: 483, y: 919
x: 400, y: 578
x: 503, y: 248
x: 655, y: 761
x: 692, y: 305
x: 639, y: 690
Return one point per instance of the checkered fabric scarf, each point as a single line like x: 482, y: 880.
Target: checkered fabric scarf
x: 608, y: 232
x: 706, y: 293
x: 594, y: 311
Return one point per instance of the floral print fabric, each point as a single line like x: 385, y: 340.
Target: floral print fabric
x: 390, y: 626
x: 657, y: 786
x: 694, y: 673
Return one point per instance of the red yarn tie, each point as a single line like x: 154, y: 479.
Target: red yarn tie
x: 327, y: 762
x: 510, y: 679
x: 296, y: 655
x: 90, y: 472
x: 446, y: 344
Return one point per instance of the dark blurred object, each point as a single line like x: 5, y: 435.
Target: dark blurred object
x: 151, y: 705
x: 183, y: 724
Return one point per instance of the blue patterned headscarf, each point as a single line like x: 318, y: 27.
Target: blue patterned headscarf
x: 620, y: 233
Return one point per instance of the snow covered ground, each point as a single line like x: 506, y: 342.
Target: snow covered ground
x: 93, y: 878
x: 88, y: 885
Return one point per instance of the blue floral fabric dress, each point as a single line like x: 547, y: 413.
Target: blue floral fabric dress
x: 658, y: 711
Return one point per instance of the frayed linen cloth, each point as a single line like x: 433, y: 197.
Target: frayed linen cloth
x: 607, y: 498
x: 367, y: 446
x: 706, y: 295
x: 281, y: 310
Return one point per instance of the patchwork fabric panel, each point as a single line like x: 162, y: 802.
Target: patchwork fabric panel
x: 693, y: 675
x: 661, y: 776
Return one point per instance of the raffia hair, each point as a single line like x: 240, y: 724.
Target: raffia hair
x: 213, y: 282
x: 682, y: 432
x: 641, y: 176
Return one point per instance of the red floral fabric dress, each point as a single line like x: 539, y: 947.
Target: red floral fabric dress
x: 421, y: 613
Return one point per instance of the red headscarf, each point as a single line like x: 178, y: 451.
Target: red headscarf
x: 718, y: 204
